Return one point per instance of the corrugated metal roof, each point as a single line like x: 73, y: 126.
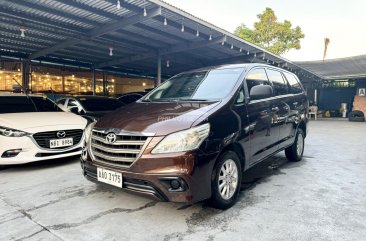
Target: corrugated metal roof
x: 337, y: 69
x: 84, y: 30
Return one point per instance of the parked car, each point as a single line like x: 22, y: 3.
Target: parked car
x: 192, y: 138
x: 90, y: 107
x: 131, y: 97
x: 33, y: 128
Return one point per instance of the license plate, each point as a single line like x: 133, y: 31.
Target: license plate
x: 61, y: 142
x: 110, y: 177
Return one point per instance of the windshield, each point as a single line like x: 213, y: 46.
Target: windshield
x: 100, y: 104
x: 202, y: 85
x: 21, y: 104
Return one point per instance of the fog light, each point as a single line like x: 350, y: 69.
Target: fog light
x: 175, y: 184
x: 11, y: 153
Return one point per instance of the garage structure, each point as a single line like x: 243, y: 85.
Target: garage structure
x: 343, y: 81
x: 97, y: 46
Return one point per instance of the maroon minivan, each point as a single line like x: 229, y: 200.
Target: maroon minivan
x: 192, y: 138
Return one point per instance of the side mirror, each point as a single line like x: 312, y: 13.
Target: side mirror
x: 74, y: 110
x: 261, y: 92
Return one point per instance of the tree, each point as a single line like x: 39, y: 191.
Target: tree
x: 272, y: 35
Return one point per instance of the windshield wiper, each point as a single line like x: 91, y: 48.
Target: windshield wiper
x: 198, y: 100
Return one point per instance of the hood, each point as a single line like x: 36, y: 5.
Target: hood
x: 42, y: 120
x: 158, y: 118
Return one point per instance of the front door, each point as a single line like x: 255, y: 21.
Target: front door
x: 262, y: 119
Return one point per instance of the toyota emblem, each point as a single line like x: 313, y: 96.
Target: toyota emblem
x: 61, y: 134
x: 111, y: 138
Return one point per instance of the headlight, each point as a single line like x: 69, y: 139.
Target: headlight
x: 5, y: 131
x: 88, y: 131
x: 186, y: 140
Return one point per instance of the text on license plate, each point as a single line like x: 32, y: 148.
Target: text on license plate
x: 61, y: 142
x: 109, y: 177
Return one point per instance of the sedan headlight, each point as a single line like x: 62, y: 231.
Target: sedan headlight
x: 88, y: 131
x: 5, y: 131
x: 182, y: 141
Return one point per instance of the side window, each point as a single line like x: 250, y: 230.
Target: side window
x: 241, y: 97
x: 256, y: 77
x: 62, y: 101
x: 295, y: 86
x: 72, y: 103
x: 279, y: 84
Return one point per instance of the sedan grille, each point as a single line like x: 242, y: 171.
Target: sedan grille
x: 43, y: 138
x: 121, y: 153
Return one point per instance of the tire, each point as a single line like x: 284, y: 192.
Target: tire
x: 356, y: 113
x: 222, y: 197
x: 295, y: 152
x: 357, y: 119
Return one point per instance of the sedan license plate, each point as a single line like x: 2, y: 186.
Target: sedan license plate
x: 61, y: 142
x: 109, y: 177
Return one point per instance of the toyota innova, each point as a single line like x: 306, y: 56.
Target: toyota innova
x: 192, y: 138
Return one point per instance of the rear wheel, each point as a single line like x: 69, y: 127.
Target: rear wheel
x: 225, y: 184
x: 295, y: 152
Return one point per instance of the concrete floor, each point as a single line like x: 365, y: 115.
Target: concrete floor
x: 321, y: 198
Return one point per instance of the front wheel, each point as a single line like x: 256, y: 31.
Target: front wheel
x: 295, y: 152
x: 225, y: 184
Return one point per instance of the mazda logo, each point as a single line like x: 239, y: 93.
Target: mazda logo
x: 61, y: 134
x: 111, y: 138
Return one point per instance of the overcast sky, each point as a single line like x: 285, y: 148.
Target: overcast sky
x: 343, y: 22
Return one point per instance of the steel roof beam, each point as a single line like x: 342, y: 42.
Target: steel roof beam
x: 170, y: 50
x: 98, y: 32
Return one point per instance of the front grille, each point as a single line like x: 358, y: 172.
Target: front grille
x: 122, y: 153
x: 43, y: 138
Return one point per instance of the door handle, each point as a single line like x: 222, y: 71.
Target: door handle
x: 286, y: 108
x: 295, y: 103
x: 275, y: 109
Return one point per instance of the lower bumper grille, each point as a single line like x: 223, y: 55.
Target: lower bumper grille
x: 122, y: 152
x: 43, y: 138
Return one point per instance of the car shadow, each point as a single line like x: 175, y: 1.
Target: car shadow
x: 42, y: 164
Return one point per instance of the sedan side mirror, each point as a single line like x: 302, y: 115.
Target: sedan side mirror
x: 74, y: 110
x: 261, y: 92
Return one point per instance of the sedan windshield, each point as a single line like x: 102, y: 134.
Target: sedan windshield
x: 21, y: 104
x: 100, y: 104
x: 197, y: 86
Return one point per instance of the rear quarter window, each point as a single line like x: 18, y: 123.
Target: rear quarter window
x: 295, y: 85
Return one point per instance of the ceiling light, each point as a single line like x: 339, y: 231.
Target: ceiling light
x: 145, y: 12
x: 118, y: 4
x: 22, y: 31
x: 110, y: 51
x: 167, y: 63
x: 165, y: 22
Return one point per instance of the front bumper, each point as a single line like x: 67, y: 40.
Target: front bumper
x: 31, y: 152
x: 192, y: 170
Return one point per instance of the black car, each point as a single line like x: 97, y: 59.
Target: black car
x: 192, y: 138
x: 90, y: 107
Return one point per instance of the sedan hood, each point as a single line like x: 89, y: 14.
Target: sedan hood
x: 156, y: 118
x: 34, y: 121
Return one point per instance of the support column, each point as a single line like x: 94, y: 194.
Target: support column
x: 105, y: 83
x: 63, y: 83
x: 25, y: 75
x: 158, y: 76
x: 94, y: 81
